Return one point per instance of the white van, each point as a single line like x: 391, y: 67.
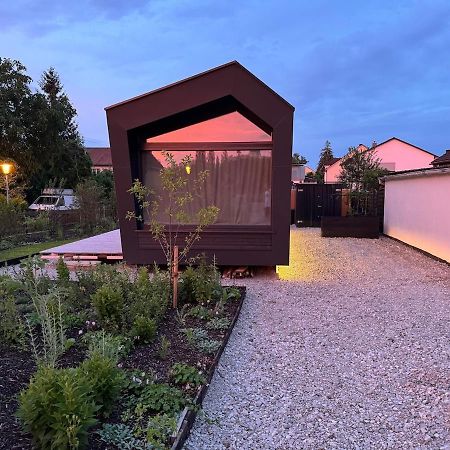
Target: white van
x: 54, y: 199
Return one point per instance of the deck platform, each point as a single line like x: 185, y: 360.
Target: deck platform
x: 105, y: 246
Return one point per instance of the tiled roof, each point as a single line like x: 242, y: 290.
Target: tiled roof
x: 100, y: 156
x: 443, y: 160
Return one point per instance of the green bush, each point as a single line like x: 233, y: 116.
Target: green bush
x: 11, y: 326
x: 159, y: 430
x: 162, y: 399
x: 105, y: 380
x: 121, y: 436
x: 183, y: 374
x: 62, y: 271
x: 198, y: 338
x: 200, y: 285
x: 143, y: 329
x: 218, y: 323
x: 57, y: 409
x: 107, y: 345
x: 108, y: 304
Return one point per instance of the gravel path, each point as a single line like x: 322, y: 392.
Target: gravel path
x: 351, y: 350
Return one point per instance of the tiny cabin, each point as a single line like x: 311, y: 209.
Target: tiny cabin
x: 232, y: 125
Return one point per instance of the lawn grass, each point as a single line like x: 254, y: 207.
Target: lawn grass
x: 26, y: 250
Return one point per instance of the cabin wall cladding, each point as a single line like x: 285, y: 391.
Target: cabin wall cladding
x: 417, y: 212
x: 253, y: 165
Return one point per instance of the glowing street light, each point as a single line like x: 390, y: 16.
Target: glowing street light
x: 188, y: 169
x: 6, y: 170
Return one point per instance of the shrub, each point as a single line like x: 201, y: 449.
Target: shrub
x: 200, y: 285
x: 57, y: 409
x: 164, y: 347
x: 108, y: 303
x: 200, y: 312
x: 105, y: 380
x: 107, y: 345
x: 11, y: 326
x: 159, y: 430
x: 183, y: 374
x: 62, y: 271
x: 198, y: 338
x: 143, y: 329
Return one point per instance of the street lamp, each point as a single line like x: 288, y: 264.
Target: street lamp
x: 6, y: 169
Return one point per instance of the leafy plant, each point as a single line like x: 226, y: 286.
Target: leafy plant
x: 11, y: 326
x: 164, y: 347
x: 182, y: 315
x: 144, y: 329
x: 159, y: 430
x: 57, y: 409
x: 108, y: 304
x: 62, y: 271
x: 122, y: 437
x: 107, y: 345
x: 183, y: 374
x: 105, y: 380
x: 218, y: 323
x: 198, y: 338
x: 161, y: 398
x: 201, y: 312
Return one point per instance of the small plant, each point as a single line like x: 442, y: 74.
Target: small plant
x: 57, y: 409
x: 107, y: 345
x: 183, y: 374
x: 121, y: 436
x: 105, y: 380
x: 144, y: 329
x: 159, y: 430
x: 200, y: 312
x: 108, y: 304
x: 218, y: 323
x: 161, y: 399
x: 62, y: 271
x: 182, y: 315
x: 198, y: 338
x: 49, y: 313
x: 164, y: 347
x: 11, y: 326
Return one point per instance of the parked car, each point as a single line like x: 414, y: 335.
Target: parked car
x: 54, y: 199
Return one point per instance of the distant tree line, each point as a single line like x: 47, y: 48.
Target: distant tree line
x: 38, y: 130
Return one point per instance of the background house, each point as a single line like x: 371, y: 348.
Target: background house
x: 101, y: 158
x: 395, y: 155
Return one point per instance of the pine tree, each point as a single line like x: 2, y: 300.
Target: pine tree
x: 326, y: 158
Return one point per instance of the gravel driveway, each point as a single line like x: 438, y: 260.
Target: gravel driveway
x: 351, y: 350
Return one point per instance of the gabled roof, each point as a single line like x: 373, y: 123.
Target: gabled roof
x: 201, y: 74
x: 100, y: 156
x: 405, y: 142
x: 443, y: 160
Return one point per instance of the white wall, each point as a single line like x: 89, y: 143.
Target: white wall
x: 417, y: 210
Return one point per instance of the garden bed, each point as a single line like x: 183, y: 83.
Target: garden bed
x: 191, y: 339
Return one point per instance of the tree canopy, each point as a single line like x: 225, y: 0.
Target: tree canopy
x: 326, y: 158
x: 38, y: 129
x: 299, y: 159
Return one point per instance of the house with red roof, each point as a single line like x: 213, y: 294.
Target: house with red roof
x: 101, y: 158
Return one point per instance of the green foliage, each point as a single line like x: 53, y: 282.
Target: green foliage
x: 122, y: 437
x: 326, y: 158
x: 200, y: 285
x: 159, y: 430
x: 57, y: 409
x: 107, y: 345
x: 12, y: 329
x: 143, y: 329
x: 198, y: 338
x: 161, y: 398
x: 218, y: 323
x: 164, y: 347
x: 200, y: 312
x: 183, y: 374
x: 105, y: 380
x: 62, y: 271
x: 298, y: 159
x: 108, y: 304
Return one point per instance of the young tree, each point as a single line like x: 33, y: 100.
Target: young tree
x: 299, y: 159
x: 326, y: 158
x: 360, y: 171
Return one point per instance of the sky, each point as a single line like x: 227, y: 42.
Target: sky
x: 356, y: 72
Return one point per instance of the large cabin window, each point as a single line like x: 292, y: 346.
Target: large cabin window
x: 238, y: 157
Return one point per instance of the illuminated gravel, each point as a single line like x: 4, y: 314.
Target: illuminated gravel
x: 350, y: 351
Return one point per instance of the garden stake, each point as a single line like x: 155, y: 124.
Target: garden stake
x: 175, y: 276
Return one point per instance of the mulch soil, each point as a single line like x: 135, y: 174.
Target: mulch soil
x: 17, y: 367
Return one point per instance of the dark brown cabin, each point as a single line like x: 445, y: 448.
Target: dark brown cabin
x: 238, y: 128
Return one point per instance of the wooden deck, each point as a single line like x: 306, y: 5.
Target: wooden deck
x: 105, y: 246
